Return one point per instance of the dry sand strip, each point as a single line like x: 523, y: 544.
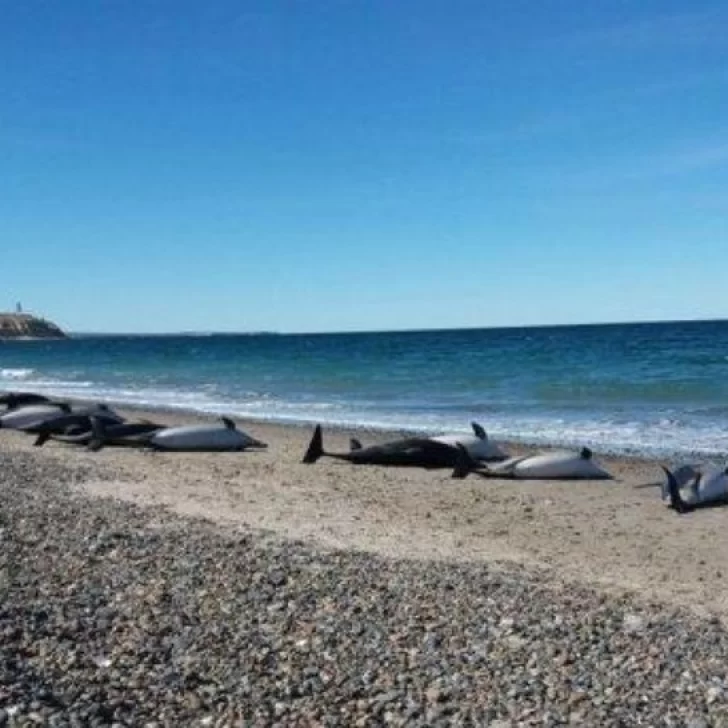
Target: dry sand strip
x: 116, y: 614
x: 615, y: 535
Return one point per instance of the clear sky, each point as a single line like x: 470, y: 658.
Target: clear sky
x: 363, y: 164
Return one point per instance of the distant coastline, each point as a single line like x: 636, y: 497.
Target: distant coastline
x: 25, y: 326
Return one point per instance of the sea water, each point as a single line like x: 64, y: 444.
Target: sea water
x: 628, y: 388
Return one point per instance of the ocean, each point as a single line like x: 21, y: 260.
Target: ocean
x: 635, y: 389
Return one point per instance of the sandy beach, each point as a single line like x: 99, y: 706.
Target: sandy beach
x: 573, y: 547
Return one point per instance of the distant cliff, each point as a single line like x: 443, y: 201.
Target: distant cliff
x: 25, y: 326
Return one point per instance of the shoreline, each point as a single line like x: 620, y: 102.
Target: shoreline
x: 515, y: 445
x: 709, y: 450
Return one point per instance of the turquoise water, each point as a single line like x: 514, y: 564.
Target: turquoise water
x: 637, y: 388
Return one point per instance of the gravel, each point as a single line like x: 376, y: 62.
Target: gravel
x: 111, y: 614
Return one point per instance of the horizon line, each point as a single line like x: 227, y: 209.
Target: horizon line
x: 264, y: 332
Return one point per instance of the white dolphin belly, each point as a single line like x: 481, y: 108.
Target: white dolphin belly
x: 27, y: 415
x: 551, y: 465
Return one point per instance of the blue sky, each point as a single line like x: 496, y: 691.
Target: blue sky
x: 357, y: 165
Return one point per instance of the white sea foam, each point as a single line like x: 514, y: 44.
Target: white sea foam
x: 16, y: 374
x: 665, y: 434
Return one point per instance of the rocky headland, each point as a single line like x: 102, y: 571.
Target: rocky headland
x: 27, y: 326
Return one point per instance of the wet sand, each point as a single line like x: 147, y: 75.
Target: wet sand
x: 615, y: 535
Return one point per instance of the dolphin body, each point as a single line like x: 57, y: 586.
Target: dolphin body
x: 545, y: 466
x: 115, y: 433
x: 422, y: 452
x: 187, y: 438
x: 13, y: 400
x: 24, y: 416
x: 78, y: 420
x: 704, y: 487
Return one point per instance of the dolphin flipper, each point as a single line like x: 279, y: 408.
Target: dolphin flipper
x: 99, y: 434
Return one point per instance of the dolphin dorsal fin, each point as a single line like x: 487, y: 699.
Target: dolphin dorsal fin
x: 479, y: 431
x: 228, y: 423
x: 354, y: 444
x: 64, y: 407
x: 585, y: 453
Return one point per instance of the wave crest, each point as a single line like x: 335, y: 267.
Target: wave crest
x: 15, y: 374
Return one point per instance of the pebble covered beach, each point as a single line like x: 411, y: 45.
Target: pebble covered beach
x: 129, y: 613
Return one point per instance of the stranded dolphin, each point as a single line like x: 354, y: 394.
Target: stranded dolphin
x: 554, y: 465
x: 113, y: 433
x: 13, y: 400
x: 707, y: 486
x: 424, y: 452
x: 78, y: 420
x: 23, y: 416
x: 189, y: 438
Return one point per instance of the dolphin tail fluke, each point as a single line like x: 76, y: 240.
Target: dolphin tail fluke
x: 315, y: 447
x: 99, y: 434
x: 42, y: 439
x: 464, y: 463
x: 673, y: 489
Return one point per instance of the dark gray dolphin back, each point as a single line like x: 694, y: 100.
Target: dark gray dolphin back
x: 411, y: 452
x: 13, y: 400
